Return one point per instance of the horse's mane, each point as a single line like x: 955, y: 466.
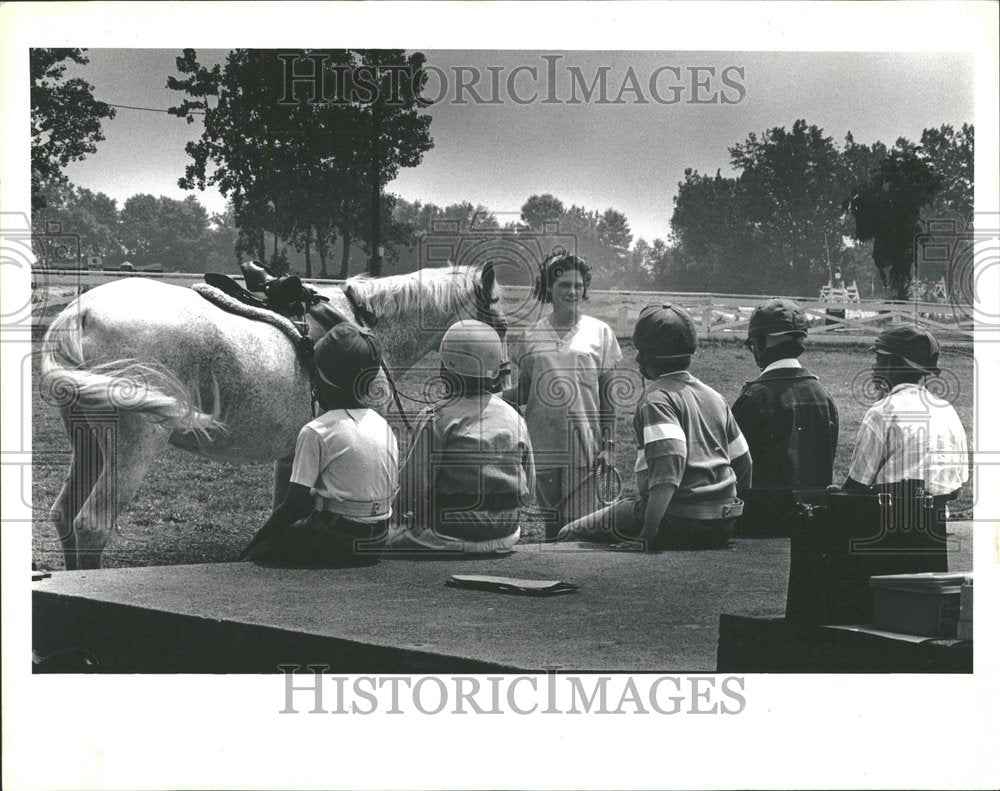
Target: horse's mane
x: 446, y: 289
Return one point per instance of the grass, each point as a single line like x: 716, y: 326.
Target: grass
x: 195, y: 511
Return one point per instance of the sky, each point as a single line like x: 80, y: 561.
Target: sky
x: 629, y: 156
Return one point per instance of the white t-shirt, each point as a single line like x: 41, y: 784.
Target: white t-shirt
x: 349, y: 457
x: 563, y: 407
x: 912, y: 435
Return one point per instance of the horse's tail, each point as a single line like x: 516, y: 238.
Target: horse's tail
x: 142, y: 387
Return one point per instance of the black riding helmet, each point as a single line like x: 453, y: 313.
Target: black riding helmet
x: 664, y: 332
x: 346, y: 354
x: 778, y: 317
x: 914, y: 345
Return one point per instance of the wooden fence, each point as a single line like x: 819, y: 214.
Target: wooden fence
x: 717, y: 315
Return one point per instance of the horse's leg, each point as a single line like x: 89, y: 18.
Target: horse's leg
x: 84, y: 469
x: 129, y: 445
x: 282, y: 475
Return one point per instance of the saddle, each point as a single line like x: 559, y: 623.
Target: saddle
x: 286, y: 295
x: 267, y: 294
x: 300, y: 312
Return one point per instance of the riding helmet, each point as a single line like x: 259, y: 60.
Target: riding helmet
x: 665, y: 332
x: 914, y: 345
x: 778, y: 317
x: 346, y: 353
x: 472, y: 348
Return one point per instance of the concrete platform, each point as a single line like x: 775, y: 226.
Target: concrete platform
x: 632, y: 612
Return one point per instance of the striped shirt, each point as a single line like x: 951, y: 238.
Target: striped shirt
x: 687, y: 436
x: 912, y: 435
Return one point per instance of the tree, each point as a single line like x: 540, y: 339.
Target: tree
x: 540, y: 209
x: 92, y: 217
x: 718, y: 249
x: 886, y: 212
x: 305, y: 170
x: 65, y: 117
x: 614, y: 234
x: 165, y: 231
x: 949, y: 153
x: 220, y: 241
x: 239, y: 150
x: 792, y: 187
x: 778, y: 226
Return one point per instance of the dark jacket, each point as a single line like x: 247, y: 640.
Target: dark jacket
x: 791, y: 425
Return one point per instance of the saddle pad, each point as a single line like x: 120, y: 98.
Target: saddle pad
x: 230, y: 304
x: 511, y: 585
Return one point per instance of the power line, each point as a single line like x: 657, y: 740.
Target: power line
x: 149, y: 109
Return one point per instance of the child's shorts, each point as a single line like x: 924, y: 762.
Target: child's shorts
x: 323, y: 540
x: 622, y: 521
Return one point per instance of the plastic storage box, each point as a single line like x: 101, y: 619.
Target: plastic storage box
x: 921, y: 604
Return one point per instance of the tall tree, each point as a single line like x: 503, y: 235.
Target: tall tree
x: 65, y: 117
x: 886, y: 212
x: 303, y: 165
x: 792, y: 186
x: 718, y: 248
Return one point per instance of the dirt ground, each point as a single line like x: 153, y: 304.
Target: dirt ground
x: 195, y: 511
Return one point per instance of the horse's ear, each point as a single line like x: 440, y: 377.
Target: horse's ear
x: 488, y: 278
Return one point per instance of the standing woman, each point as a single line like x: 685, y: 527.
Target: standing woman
x: 566, y: 361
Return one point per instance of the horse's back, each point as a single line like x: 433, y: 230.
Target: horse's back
x: 250, y: 365
x: 137, y: 315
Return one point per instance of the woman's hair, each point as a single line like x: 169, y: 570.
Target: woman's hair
x: 552, y: 268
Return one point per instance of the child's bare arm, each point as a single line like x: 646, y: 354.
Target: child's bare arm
x: 656, y: 508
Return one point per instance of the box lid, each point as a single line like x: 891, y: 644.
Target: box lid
x: 927, y: 582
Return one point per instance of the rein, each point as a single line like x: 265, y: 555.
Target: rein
x: 367, y: 319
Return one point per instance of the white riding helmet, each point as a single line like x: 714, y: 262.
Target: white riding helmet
x: 472, y: 348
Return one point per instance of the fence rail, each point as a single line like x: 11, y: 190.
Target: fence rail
x: 717, y: 315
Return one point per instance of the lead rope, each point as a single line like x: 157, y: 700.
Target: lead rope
x: 366, y: 319
x: 609, y: 490
x: 395, y: 397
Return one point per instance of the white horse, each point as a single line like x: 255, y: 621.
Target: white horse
x: 170, y: 367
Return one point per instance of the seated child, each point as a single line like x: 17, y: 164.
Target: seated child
x: 470, y: 468
x: 345, y: 471
x: 692, y: 458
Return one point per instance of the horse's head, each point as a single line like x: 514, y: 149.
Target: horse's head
x: 489, y: 311
x: 412, y: 311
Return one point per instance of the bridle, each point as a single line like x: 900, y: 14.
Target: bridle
x: 484, y: 313
x: 365, y: 318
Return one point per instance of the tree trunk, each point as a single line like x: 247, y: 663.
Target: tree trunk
x: 375, y: 265
x: 345, y: 259
x: 308, y: 252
